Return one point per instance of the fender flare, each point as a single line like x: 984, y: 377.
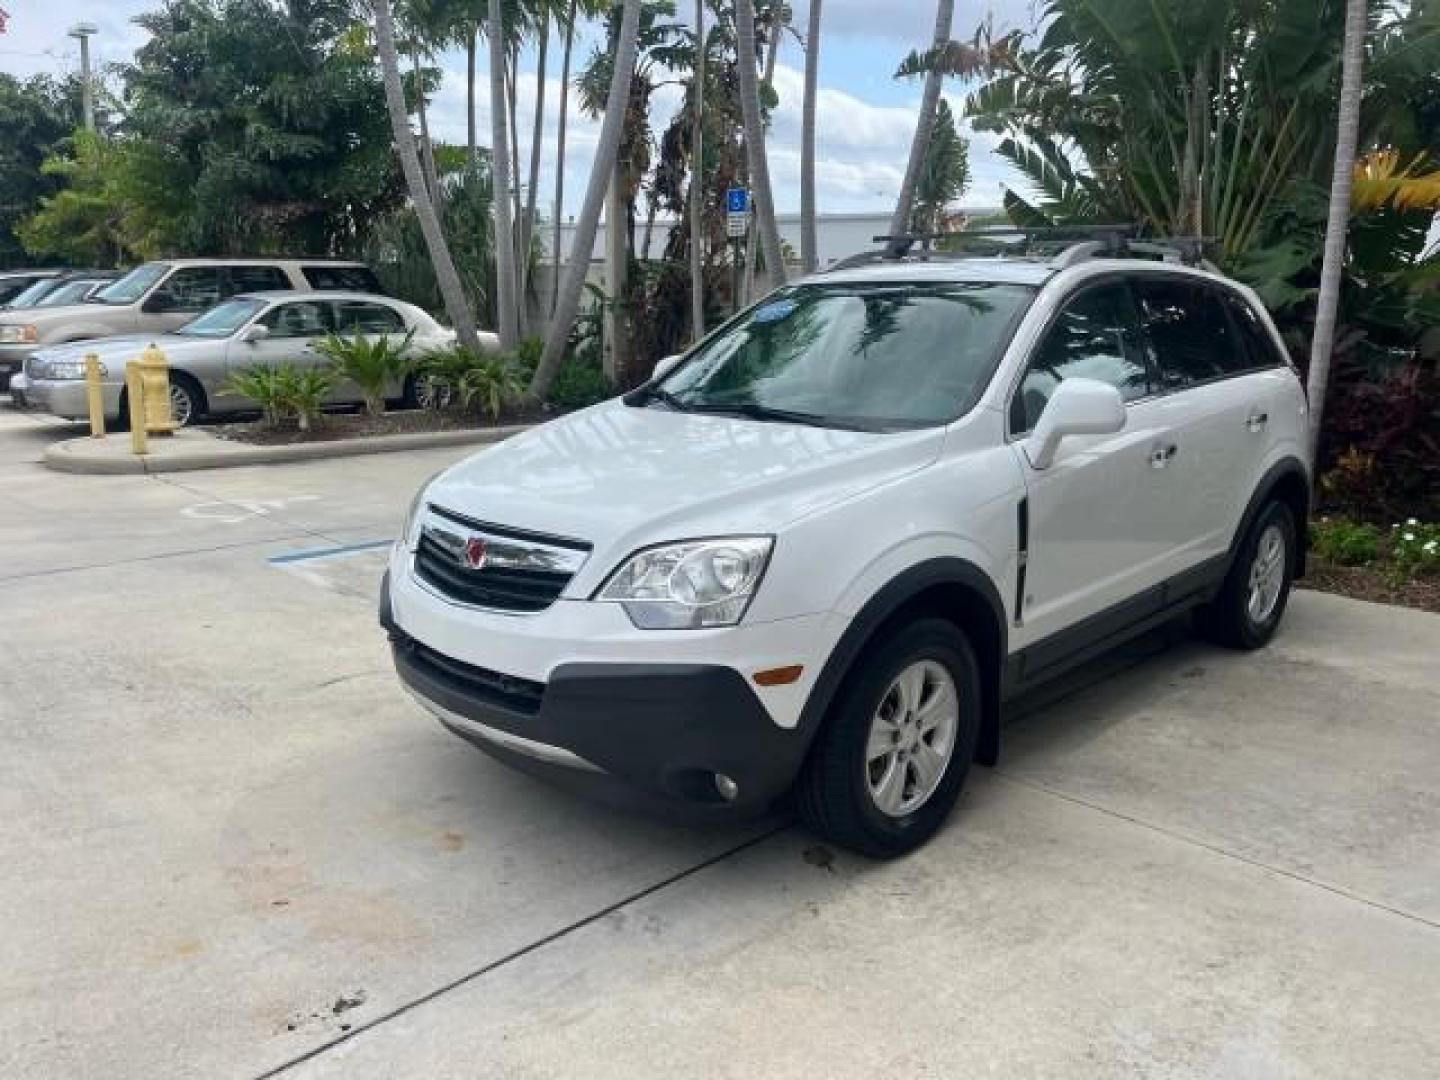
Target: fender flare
x: 888, y: 601
x: 1290, y: 469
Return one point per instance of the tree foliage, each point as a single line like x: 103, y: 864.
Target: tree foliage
x: 35, y: 116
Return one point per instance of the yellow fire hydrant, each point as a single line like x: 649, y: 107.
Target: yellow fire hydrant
x: 147, y: 385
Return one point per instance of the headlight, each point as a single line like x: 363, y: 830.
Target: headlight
x: 411, y: 536
x: 63, y: 369
x: 694, y: 583
x: 18, y: 335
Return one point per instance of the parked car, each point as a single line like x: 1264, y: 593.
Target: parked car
x: 157, y: 297
x: 71, y: 287
x: 242, y: 332
x: 14, y: 282
x: 821, y: 549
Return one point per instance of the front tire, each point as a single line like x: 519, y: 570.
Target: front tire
x: 1251, y: 602
x: 892, y: 758
x: 187, y: 399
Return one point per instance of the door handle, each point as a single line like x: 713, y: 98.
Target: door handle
x: 1257, y: 420
x: 1162, y: 454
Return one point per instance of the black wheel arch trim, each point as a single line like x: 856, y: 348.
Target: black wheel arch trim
x: 1283, y: 470
x: 887, y: 602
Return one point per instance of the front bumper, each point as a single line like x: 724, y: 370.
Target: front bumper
x: 647, y: 733
x: 66, y: 397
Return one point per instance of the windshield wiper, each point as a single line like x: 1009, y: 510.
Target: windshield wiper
x: 749, y: 410
x: 665, y: 397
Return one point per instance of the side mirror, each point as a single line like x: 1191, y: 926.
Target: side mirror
x: 255, y: 334
x: 1077, y: 407
x: 666, y: 365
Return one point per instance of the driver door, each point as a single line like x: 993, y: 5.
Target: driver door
x: 1097, y: 517
x: 294, y: 329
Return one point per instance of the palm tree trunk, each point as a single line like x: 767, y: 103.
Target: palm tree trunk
x: 451, y: 291
x: 809, y: 257
x: 900, y: 221
x: 752, y: 241
x: 697, y: 180
x: 427, y: 152
x: 472, y: 151
x: 1337, y: 224
x: 505, y: 283
x: 755, y: 142
x: 537, y: 138
x: 600, y: 173
x: 513, y: 70
x: 560, y: 156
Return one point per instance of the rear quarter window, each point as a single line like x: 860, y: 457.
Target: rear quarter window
x: 342, y: 278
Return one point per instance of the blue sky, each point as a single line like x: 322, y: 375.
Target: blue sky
x: 865, y: 119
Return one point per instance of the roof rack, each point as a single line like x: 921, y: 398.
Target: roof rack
x: 1078, y: 243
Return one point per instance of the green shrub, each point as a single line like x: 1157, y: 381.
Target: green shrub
x: 579, y: 383
x: 490, y: 380
x: 1349, y: 543
x: 285, y: 392
x: 1415, y: 548
x: 374, y: 363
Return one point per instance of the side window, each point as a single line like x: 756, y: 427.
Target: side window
x: 1189, y: 338
x: 251, y: 279
x: 302, y: 319
x: 1260, y: 349
x: 357, y: 317
x: 189, y: 289
x: 341, y: 278
x: 1090, y: 339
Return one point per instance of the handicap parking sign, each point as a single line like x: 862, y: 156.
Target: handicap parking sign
x: 737, y: 200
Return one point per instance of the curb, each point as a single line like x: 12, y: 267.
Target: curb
x: 86, y: 455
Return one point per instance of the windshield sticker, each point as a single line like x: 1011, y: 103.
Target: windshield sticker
x: 775, y: 312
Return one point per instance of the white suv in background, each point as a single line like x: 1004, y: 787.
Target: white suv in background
x: 820, y: 550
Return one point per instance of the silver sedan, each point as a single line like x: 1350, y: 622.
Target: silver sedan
x: 242, y: 332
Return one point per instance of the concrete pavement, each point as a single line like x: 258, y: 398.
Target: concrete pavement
x: 234, y: 848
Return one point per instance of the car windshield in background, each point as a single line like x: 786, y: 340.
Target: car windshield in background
x: 133, y: 285
x: 32, y: 296
x: 72, y: 292
x: 873, y: 357
x: 222, y: 320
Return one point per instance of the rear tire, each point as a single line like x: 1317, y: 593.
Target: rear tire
x: 891, y: 760
x: 1251, y: 602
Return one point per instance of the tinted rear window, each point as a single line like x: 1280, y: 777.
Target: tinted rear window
x: 344, y: 278
x: 1185, y: 327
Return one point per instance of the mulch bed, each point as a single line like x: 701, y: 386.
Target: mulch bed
x: 351, y: 425
x: 1369, y: 583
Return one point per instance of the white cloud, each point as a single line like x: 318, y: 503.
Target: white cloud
x: 860, y: 155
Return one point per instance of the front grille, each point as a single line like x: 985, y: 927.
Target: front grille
x: 506, y: 590
x: 521, y: 572
x: 493, y: 687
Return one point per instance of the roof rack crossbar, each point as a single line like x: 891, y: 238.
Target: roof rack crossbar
x: 1089, y: 241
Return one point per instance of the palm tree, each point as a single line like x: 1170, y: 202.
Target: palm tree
x: 505, y: 283
x: 755, y: 141
x: 527, y: 221
x: 808, y: 255
x: 900, y: 221
x: 600, y: 174
x: 456, y: 305
x: 1337, y: 225
x: 697, y: 182
x: 573, y: 14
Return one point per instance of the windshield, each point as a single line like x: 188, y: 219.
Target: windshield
x: 875, y: 357
x: 133, y: 285
x: 33, y: 295
x: 72, y: 292
x: 223, y: 319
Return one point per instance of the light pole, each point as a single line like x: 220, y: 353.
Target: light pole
x: 83, y: 33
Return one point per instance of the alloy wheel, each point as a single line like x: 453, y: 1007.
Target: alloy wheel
x: 912, y: 737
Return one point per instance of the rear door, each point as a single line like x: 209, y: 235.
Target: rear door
x: 1218, y: 399
x: 371, y: 320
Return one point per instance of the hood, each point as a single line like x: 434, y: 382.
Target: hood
x: 621, y: 477
x: 50, y: 316
x: 127, y: 347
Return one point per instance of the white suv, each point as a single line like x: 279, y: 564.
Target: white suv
x: 820, y: 550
